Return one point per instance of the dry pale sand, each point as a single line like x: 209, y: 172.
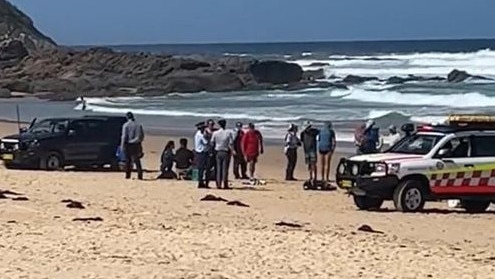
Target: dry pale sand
x: 161, y: 229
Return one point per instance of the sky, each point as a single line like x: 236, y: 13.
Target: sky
x: 111, y: 22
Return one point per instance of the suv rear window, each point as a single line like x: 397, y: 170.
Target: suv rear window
x: 483, y: 146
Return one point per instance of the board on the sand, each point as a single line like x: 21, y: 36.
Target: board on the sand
x: 318, y: 186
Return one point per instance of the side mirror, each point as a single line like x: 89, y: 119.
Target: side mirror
x: 71, y: 133
x: 443, y: 152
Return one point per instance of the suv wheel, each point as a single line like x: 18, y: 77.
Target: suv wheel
x: 409, y: 196
x: 367, y: 203
x: 52, y: 161
x: 475, y: 206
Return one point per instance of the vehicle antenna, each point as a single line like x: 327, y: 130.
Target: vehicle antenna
x: 18, y: 118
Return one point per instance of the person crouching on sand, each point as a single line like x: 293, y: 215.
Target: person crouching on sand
x: 292, y: 142
x: 308, y: 138
x: 167, y: 162
x: 326, y: 147
x: 252, y: 147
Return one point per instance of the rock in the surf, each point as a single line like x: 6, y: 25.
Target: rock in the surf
x: 314, y: 74
x: 457, y: 76
x: 352, y: 79
x: 4, y: 93
x: 276, y: 72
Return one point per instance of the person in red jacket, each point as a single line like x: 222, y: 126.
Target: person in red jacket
x: 252, y: 147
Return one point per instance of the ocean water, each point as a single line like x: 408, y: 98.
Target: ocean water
x: 273, y: 111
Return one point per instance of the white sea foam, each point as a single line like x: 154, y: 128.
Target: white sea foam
x: 467, y: 100
x: 423, y: 64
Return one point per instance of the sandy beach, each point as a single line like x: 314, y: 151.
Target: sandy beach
x: 161, y: 229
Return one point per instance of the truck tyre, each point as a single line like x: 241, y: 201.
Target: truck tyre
x: 367, y: 203
x: 52, y: 161
x: 409, y: 196
x: 475, y: 206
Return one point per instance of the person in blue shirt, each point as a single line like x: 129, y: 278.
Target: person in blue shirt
x: 326, y: 147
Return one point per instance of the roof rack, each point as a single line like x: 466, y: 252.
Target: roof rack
x: 471, y: 121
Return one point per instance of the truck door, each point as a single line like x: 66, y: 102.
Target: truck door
x: 454, y: 168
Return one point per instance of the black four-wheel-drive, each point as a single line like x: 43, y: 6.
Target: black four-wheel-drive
x: 52, y: 144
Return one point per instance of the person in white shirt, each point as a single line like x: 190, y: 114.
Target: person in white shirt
x: 201, y: 145
x: 394, y: 136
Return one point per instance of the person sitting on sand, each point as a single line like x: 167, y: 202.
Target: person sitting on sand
x: 184, y: 159
x: 326, y: 147
x: 240, y: 165
x: 292, y: 142
x: 167, y: 161
x: 308, y: 139
x: 252, y: 147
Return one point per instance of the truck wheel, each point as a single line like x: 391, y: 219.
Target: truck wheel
x: 52, y: 161
x: 409, y: 196
x: 475, y: 206
x: 367, y: 203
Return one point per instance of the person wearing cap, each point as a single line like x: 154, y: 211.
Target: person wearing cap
x: 252, y: 147
x: 240, y: 165
x: 308, y: 139
x: 393, y: 135
x: 223, y: 142
x: 201, y: 154
x: 131, y: 143
x: 292, y: 142
x: 326, y: 146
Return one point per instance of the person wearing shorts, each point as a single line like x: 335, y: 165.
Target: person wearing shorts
x: 252, y: 147
x: 326, y: 147
x: 308, y: 139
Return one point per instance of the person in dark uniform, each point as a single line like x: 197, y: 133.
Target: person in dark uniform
x: 240, y: 165
x: 131, y: 143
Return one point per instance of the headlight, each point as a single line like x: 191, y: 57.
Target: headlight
x: 394, y: 168
x: 341, y: 169
x: 355, y: 170
x: 380, y: 168
x: 2, y: 146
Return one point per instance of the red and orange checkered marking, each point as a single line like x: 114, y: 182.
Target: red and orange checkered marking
x: 472, y: 178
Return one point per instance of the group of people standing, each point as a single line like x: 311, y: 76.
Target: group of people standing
x: 315, y: 142
x: 215, y: 146
x: 368, y: 140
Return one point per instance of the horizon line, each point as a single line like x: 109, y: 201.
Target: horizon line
x: 283, y: 42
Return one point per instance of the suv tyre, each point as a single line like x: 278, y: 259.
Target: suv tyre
x: 409, y: 196
x: 475, y: 206
x: 52, y: 161
x: 367, y: 203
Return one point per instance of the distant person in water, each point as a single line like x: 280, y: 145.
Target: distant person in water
x: 167, y: 161
x: 223, y: 142
x: 82, y: 101
x: 309, y: 142
x: 292, y: 143
x: 252, y: 148
x: 326, y: 147
x: 240, y: 165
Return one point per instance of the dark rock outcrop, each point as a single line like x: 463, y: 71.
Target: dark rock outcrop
x: 15, y: 25
x: 352, y: 79
x: 457, y: 76
x: 319, y: 64
x: 409, y: 78
x: 276, y: 72
x: 4, y: 93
